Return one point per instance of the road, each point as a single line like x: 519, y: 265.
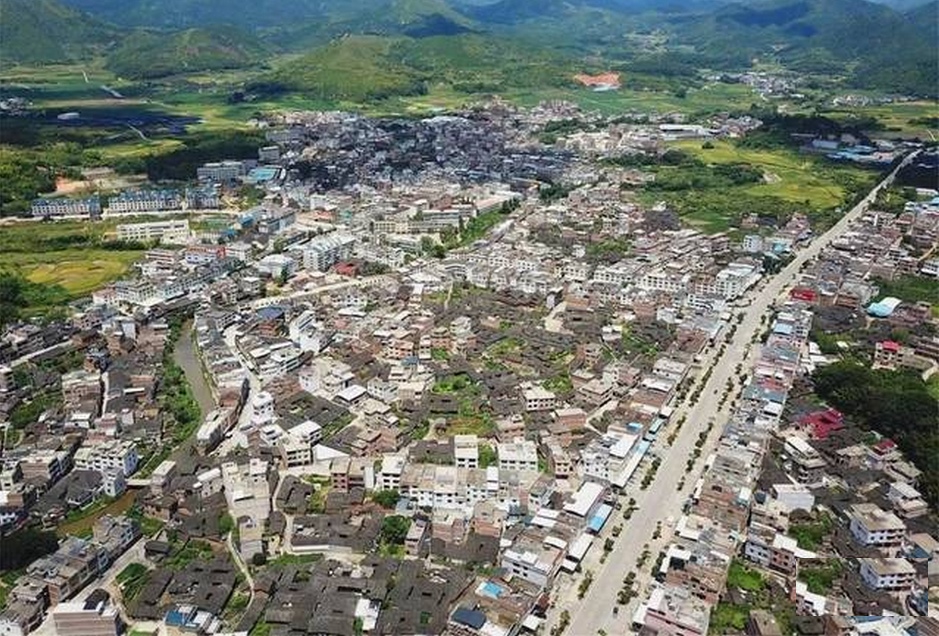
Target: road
x: 662, y: 499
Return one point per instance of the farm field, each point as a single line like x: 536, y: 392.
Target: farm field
x: 79, y: 271
x: 791, y: 177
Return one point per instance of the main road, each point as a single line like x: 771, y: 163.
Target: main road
x: 663, y: 499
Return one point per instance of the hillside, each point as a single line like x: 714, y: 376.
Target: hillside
x: 181, y: 14
x: 871, y: 43
x: 37, y: 31
x: 353, y: 68
x: 158, y: 54
x: 371, y: 67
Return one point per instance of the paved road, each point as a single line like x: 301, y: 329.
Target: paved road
x: 663, y: 499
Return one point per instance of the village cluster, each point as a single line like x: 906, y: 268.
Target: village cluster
x: 432, y: 395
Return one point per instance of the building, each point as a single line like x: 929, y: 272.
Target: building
x: 892, y: 575
x: 808, y: 466
x: 170, y: 231
x: 674, y: 610
x: 466, y: 451
x: 107, y: 456
x: 202, y: 199
x: 890, y: 355
x: 323, y: 252
x: 774, y: 551
x: 136, y: 201
x: 538, y: 398
x: 93, y: 617
x: 520, y: 454
x: 63, y: 207
x: 872, y: 526
x: 221, y: 171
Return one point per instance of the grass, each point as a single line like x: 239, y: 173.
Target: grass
x: 294, y: 559
x: 821, y: 579
x: 79, y: 272
x: 912, y: 289
x: 810, y: 534
x: 793, y: 177
x: 726, y: 617
x: 744, y: 578
x: 900, y: 118
x: 65, y: 253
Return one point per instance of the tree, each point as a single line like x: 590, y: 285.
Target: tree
x: 225, y: 524
x: 258, y: 559
x: 284, y: 276
x: 394, y: 529
x: 386, y: 498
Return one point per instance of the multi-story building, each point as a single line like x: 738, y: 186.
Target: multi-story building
x: 674, y: 610
x: 535, y: 563
x: 93, y: 617
x: 323, y: 252
x: 466, y: 451
x: 892, y: 575
x: 202, y: 199
x: 808, y: 464
x: 538, y: 398
x: 520, y: 454
x: 221, y: 171
x: 872, y: 526
x: 773, y: 550
x: 169, y: 231
x: 134, y: 201
x: 63, y: 207
x: 107, y: 456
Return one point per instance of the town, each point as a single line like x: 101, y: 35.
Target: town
x: 443, y: 377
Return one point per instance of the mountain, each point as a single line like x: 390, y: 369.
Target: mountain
x: 181, y: 14
x: 150, y: 54
x: 875, y: 44
x: 369, y: 67
x: 34, y: 31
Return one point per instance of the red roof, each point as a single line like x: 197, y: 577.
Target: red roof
x: 803, y: 293
x: 824, y: 423
x: 890, y: 345
x: 885, y: 445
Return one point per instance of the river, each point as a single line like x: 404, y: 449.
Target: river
x: 185, y: 356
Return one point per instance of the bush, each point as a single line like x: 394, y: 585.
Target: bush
x: 258, y: 559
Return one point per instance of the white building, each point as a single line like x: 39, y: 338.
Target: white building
x: 520, y: 454
x: 894, y: 575
x: 873, y: 526
x: 169, y: 231
x: 323, y: 252
x: 107, y: 456
x: 537, y: 398
x: 466, y: 451
x: 262, y: 413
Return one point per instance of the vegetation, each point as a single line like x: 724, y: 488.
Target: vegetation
x: 745, y: 578
x: 185, y: 554
x: 820, y: 579
x: 715, y: 187
x: 386, y: 498
x: 488, y: 456
x: 911, y: 289
x: 24, y: 546
x: 810, y: 534
x: 896, y: 404
x: 132, y: 580
x: 394, y: 529
x: 152, y: 54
